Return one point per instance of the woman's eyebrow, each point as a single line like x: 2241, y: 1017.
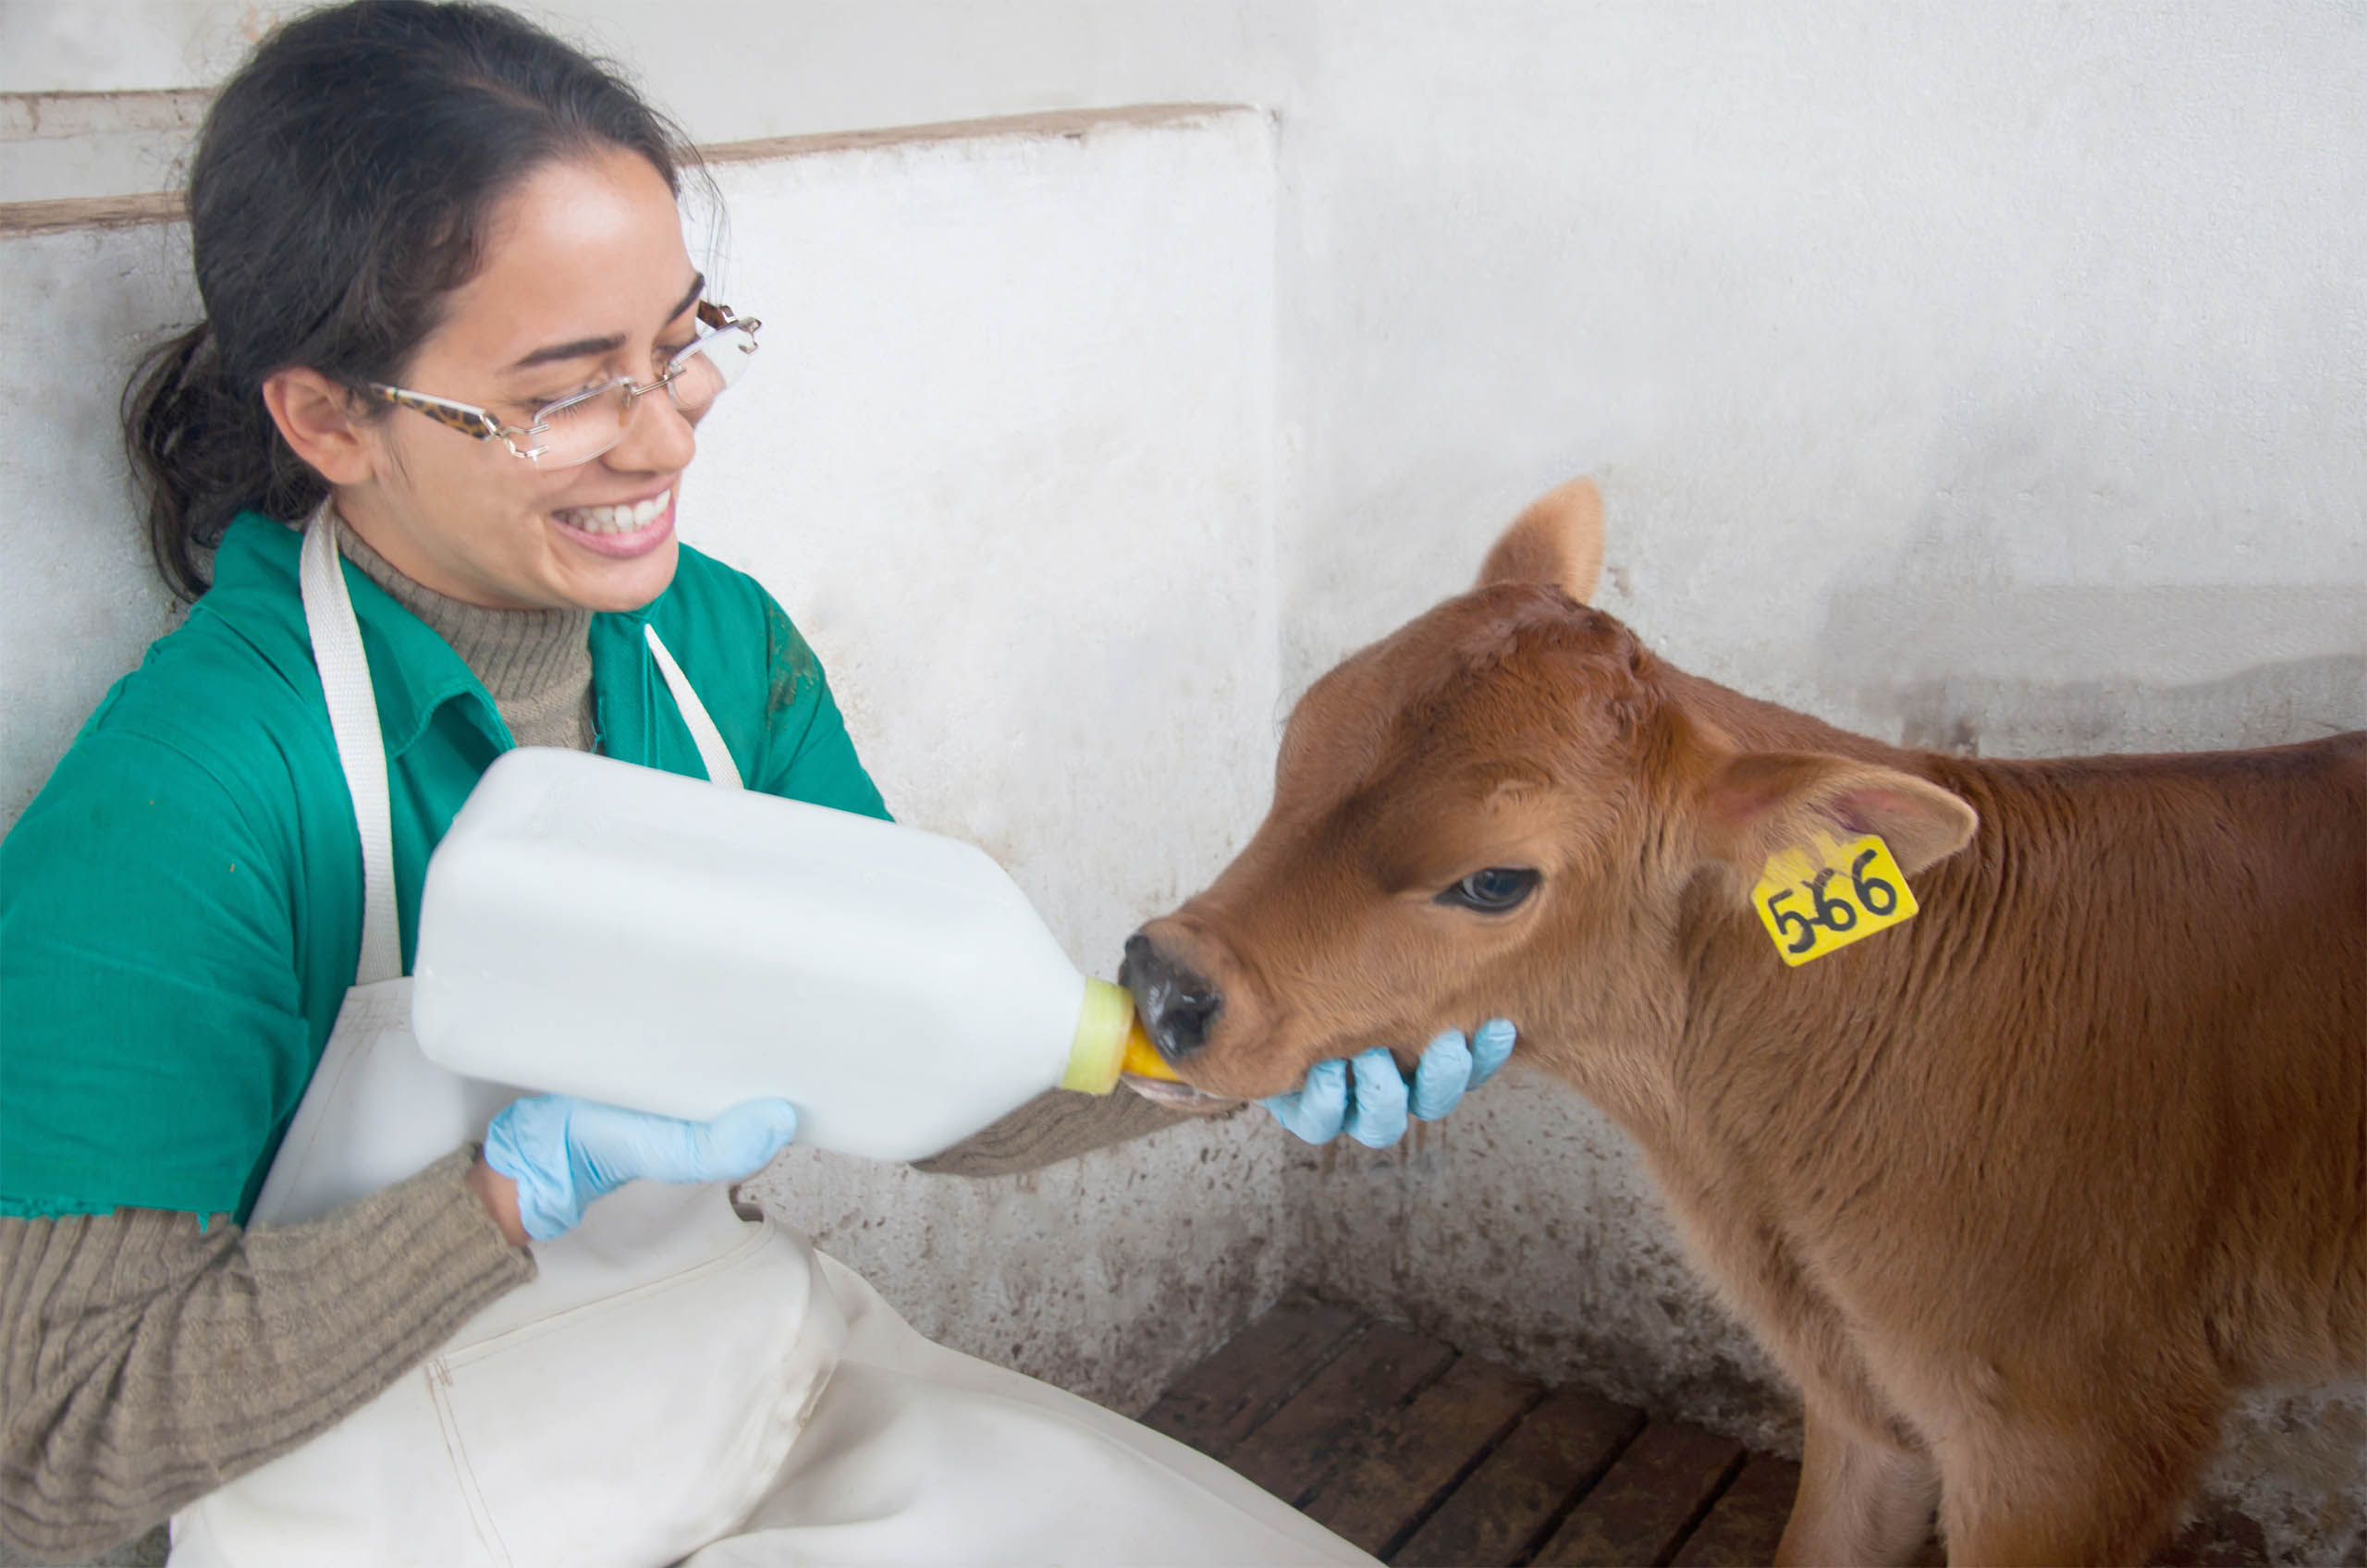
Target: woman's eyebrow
x: 584, y: 347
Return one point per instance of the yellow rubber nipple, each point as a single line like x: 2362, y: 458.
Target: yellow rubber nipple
x: 1142, y: 1057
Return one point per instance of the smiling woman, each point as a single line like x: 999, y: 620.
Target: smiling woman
x: 262, y: 1267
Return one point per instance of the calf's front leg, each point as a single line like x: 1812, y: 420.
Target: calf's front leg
x: 2100, y: 1484
x: 1860, y: 1501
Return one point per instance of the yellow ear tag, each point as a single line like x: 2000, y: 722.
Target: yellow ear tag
x: 1819, y: 897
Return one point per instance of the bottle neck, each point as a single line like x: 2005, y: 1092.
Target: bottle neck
x: 1110, y: 1040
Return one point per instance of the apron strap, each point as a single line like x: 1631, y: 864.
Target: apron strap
x: 361, y: 750
x: 353, y: 718
x: 720, y: 769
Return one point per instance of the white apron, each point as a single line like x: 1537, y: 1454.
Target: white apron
x: 626, y: 1406
x: 639, y: 1400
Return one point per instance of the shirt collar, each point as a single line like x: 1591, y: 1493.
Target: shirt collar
x: 413, y: 672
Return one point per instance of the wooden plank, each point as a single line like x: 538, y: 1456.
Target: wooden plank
x: 1649, y: 1501
x: 1747, y: 1522
x: 1331, y: 1421
x: 1498, y: 1514
x: 1225, y: 1398
x: 1419, y: 1451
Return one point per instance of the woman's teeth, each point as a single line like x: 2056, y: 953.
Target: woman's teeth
x: 616, y: 519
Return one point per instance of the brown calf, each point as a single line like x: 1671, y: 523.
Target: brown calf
x: 2019, y: 1190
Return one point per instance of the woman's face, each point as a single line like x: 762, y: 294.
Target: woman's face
x: 585, y: 280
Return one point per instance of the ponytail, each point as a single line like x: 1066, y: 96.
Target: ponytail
x: 201, y: 454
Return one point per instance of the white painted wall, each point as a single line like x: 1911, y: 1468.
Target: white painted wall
x: 1977, y: 375
x: 1992, y: 367
x: 1012, y: 472
x: 79, y: 598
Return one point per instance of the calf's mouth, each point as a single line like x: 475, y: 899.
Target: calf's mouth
x: 1176, y: 1007
x: 1177, y: 1097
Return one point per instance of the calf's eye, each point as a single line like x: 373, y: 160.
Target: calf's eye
x: 1493, y: 890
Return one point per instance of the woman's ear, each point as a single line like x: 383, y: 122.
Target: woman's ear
x: 321, y: 423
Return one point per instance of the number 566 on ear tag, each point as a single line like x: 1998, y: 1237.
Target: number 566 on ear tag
x: 1821, y: 898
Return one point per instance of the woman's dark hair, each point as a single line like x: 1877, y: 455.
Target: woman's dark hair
x: 340, y: 188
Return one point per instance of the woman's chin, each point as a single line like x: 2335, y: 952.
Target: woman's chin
x: 621, y: 585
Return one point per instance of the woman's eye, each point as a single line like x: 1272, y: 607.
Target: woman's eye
x: 1493, y: 890
x: 536, y: 405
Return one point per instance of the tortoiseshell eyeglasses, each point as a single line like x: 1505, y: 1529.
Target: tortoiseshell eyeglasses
x: 579, y: 428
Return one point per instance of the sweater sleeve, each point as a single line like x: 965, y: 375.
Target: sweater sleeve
x: 1053, y: 1126
x: 146, y: 1359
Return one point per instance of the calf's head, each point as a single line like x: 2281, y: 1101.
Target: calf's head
x: 1503, y: 808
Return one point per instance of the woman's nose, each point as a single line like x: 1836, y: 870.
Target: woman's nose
x: 659, y: 437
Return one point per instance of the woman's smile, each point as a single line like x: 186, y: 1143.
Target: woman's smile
x: 620, y: 529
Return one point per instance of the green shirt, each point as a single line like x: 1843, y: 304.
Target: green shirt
x: 180, y: 907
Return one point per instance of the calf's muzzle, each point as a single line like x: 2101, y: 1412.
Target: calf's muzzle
x: 1178, y: 1007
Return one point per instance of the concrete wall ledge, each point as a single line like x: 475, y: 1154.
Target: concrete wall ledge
x: 1071, y: 124
x: 20, y: 119
x: 51, y: 116
x: 91, y: 212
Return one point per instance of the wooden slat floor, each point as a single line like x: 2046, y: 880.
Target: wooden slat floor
x: 1429, y: 1458
x: 1426, y: 1457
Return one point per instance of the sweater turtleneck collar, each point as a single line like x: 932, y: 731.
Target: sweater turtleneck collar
x: 535, y: 665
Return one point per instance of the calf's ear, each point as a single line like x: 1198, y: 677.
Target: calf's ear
x: 1754, y: 804
x: 1558, y: 541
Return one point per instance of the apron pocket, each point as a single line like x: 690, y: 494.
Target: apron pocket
x: 636, y: 1428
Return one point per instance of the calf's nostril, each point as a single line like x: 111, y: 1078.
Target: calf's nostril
x: 1180, y: 1023
x: 1177, y: 1006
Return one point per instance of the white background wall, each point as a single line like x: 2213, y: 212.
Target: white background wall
x: 1987, y: 377
x: 1011, y: 382
x: 1988, y: 374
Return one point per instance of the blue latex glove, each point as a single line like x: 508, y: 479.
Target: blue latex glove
x: 1369, y: 1100
x: 563, y: 1152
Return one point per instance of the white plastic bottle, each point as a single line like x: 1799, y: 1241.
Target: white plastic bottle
x: 594, y: 928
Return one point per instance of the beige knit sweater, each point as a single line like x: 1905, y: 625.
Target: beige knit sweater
x: 145, y: 1360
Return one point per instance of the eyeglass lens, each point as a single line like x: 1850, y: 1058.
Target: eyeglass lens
x: 581, y: 428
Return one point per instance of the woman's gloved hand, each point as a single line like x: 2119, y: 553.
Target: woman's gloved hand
x: 563, y: 1152
x: 1369, y: 1100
